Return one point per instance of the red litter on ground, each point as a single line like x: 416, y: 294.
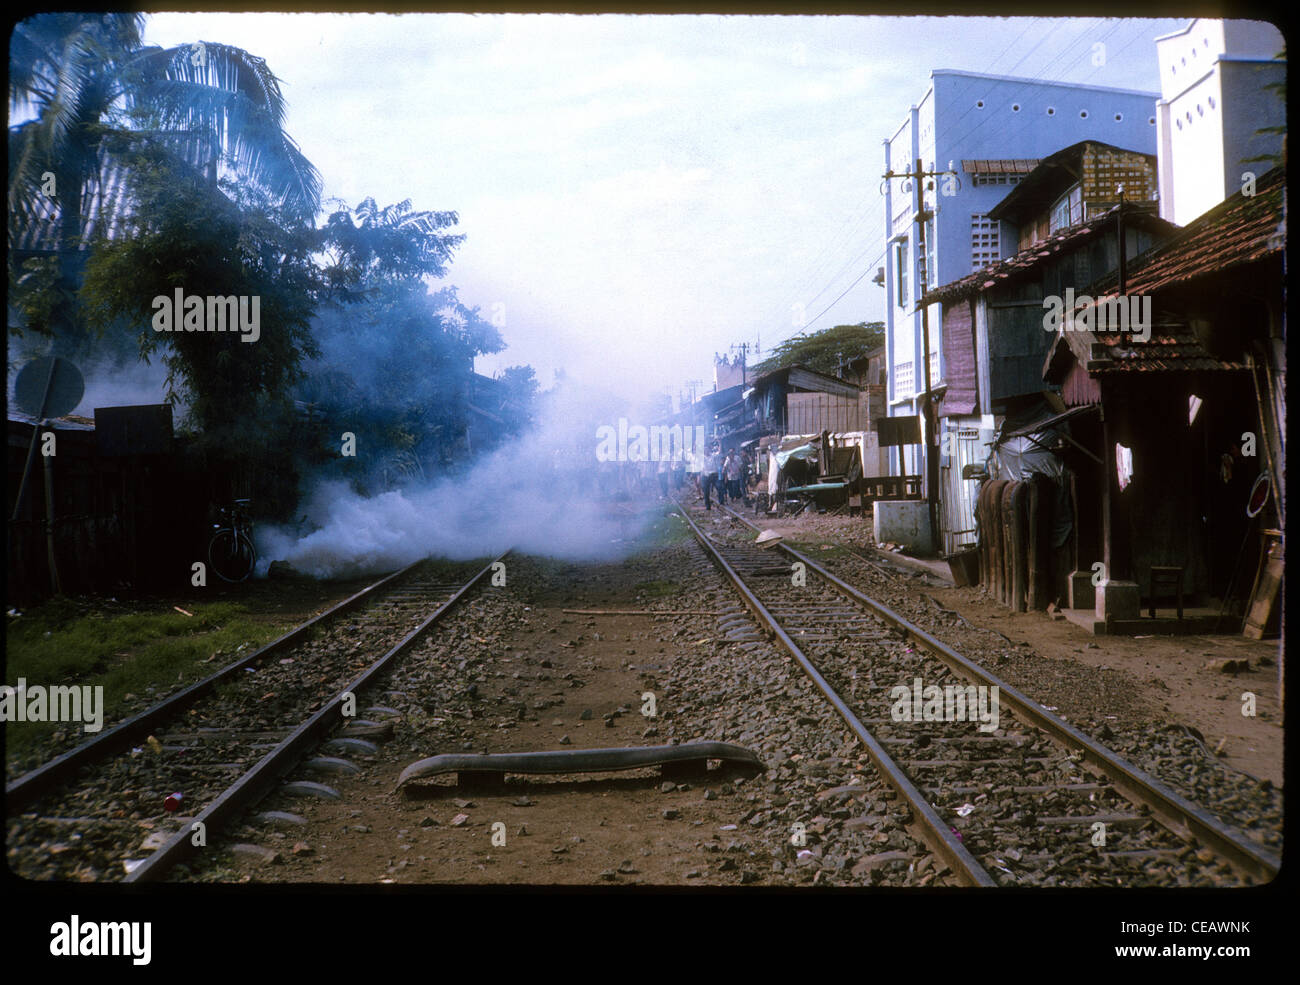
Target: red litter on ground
x: 173, y: 802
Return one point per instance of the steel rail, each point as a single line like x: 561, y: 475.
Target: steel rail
x: 21, y: 791
x: 258, y: 781
x: 934, y: 830
x: 1176, y: 813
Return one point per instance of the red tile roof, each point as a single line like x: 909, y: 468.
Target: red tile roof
x: 1240, y: 230
x: 1026, y: 262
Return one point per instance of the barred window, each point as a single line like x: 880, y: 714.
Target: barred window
x: 984, y: 245
x: 903, y: 386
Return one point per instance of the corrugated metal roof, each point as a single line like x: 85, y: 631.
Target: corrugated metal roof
x: 104, y: 208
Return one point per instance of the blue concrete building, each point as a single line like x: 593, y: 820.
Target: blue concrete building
x: 991, y: 130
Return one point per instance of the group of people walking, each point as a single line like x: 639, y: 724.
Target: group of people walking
x: 726, y: 473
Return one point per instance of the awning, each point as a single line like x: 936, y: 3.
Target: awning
x: 807, y: 453
x: 1048, y: 422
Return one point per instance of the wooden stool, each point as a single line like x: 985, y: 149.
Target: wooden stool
x: 1169, y: 578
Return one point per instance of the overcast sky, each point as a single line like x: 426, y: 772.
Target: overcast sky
x: 638, y: 192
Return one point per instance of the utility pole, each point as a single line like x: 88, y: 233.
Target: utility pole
x: 917, y: 175
x: 744, y: 351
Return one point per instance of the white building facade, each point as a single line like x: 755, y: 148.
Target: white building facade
x: 1213, y: 75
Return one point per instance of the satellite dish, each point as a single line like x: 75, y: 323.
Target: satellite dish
x: 50, y: 386
x: 1259, y: 494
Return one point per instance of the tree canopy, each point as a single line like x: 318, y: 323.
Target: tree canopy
x: 824, y: 351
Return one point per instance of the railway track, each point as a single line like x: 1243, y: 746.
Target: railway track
x: 222, y: 743
x: 1020, y: 798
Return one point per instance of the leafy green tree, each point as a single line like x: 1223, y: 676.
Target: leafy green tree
x: 89, y: 96
x: 185, y: 234
x: 823, y: 351
x: 368, y: 246
x: 396, y: 358
x: 522, y: 389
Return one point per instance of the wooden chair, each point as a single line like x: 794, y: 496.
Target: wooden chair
x: 1169, y: 578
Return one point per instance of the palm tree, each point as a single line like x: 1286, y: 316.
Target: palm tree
x: 90, y: 93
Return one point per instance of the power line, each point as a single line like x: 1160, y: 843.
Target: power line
x: 841, y: 297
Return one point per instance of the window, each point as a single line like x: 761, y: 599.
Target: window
x: 934, y: 369
x: 903, y: 380
x: 984, y: 245
x: 1067, y: 211
x: 900, y: 265
x: 996, y: 179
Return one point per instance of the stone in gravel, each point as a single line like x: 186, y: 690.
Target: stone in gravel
x: 627, y: 868
x: 309, y: 788
x: 462, y: 803
x: 586, y: 715
x: 523, y: 801
x: 560, y: 850
x: 671, y: 814
x: 331, y: 764
x: 280, y: 820
x: 361, y: 829
x: 565, y: 740
x: 609, y: 875
x: 383, y: 711
x: 522, y: 832
x: 694, y: 874
x: 428, y: 822
x: 872, y: 862
x: 459, y: 820
x: 728, y: 865
x: 301, y: 848
x: 1226, y: 666
x: 727, y: 827
x: 710, y: 795
x: 264, y: 855
x: 668, y: 786
x: 864, y: 823
x: 650, y: 732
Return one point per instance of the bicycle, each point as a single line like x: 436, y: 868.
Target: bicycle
x: 231, y: 552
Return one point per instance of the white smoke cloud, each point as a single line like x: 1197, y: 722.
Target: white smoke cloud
x: 537, y: 494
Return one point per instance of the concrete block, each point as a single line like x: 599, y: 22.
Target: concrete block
x: 1117, y: 600
x: 905, y: 522
x: 1083, y: 593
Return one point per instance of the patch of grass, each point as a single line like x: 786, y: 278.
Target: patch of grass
x: 66, y: 642
x: 665, y: 529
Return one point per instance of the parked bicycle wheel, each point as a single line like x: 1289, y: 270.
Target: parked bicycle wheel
x: 231, y: 555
